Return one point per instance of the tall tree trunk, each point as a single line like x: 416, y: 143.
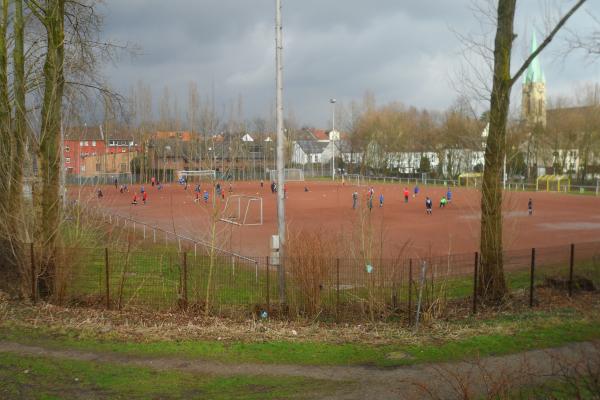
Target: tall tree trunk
x: 49, y: 148
x: 9, y: 276
x: 14, y: 218
x: 493, y: 286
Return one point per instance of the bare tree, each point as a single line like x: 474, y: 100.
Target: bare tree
x: 493, y: 285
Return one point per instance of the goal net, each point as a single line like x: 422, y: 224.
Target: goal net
x: 243, y: 210
x: 290, y: 175
x: 353, y: 180
x: 197, y: 176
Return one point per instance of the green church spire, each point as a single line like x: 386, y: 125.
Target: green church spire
x: 534, y: 72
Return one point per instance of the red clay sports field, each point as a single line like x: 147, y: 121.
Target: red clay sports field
x: 327, y: 208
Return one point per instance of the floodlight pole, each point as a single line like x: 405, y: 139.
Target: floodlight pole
x: 332, y: 101
x: 280, y: 152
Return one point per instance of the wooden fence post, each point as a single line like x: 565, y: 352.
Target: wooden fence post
x: 107, y: 277
x: 475, y: 271
x: 532, y: 277
x: 571, y: 262
x: 409, y: 291
x: 33, y: 274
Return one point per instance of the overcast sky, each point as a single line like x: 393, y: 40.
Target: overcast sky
x: 400, y: 50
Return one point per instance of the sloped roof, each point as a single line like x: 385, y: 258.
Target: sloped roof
x: 311, y: 146
x: 83, y: 133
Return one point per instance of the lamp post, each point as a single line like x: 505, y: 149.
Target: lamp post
x: 332, y: 101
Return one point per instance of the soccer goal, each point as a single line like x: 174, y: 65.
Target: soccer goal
x: 290, y: 175
x: 243, y: 210
x: 353, y: 180
x: 197, y: 176
x: 553, y: 183
x: 470, y: 179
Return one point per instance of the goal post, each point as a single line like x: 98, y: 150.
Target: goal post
x: 290, y: 175
x: 353, y: 180
x: 243, y: 210
x: 198, y: 175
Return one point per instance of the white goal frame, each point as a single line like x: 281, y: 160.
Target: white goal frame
x: 290, y: 175
x: 353, y: 179
x: 238, y: 214
x: 199, y: 173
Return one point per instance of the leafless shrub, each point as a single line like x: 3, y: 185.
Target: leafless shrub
x: 310, y: 256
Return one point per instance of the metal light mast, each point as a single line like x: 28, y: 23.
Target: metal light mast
x: 280, y: 152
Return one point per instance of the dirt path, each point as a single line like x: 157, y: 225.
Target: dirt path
x: 443, y: 380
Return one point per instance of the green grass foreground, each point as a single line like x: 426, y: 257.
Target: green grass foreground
x: 26, y: 377
x: 511, y: 334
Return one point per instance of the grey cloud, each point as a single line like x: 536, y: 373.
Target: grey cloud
x: 401, y: 50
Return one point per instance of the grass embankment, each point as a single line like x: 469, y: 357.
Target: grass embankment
x: 26, y: 377
x: 467, y: 340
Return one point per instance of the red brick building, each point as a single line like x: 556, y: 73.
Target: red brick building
x: 90, y: 142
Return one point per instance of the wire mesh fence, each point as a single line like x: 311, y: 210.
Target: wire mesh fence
x: 165, y: 278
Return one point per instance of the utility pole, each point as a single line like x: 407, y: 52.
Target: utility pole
x: 280, y: 153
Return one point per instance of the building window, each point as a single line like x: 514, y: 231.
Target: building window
x: 93, y: 143
x: 82, y: 169
x: 67, y: 149
x: 81, y: 143
x: 98, y: 167
x: 123, y: 167
x: 123, y: 150
x: 68, y: 160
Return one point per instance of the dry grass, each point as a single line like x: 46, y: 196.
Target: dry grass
x: 141, y: 325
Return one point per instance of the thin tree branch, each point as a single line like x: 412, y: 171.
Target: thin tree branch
x: 546, y: 41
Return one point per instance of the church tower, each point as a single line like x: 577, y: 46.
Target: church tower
x: 533, y: 101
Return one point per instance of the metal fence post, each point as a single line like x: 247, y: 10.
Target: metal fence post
x: 571, y: 262
x: 268, y: 289
x: 107, y: 277
x: 409, y: 290
x: 185, y: 279
x: 337, y: 289
x: 33, y: 274
x: 475, y: 271
x: 532, y: 277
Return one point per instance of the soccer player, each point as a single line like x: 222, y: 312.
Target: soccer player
x: 449, y: 195
x: 443, y: 202
x: 380, y: 200
x: 153, y: 181
x: 197, y: 199
x: 134, y: 201
x: 262, y: 184
x: 416, y: 191
x: 354, y: 199
x: 100, y: 195
x: 145, y: 197
x: 206, y: 196
x: 116, y: 183
x: 428, y: 205
x: 142, y: 190
x: 406, y: 195
x: 370, y: 200
x: 530, y: 207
